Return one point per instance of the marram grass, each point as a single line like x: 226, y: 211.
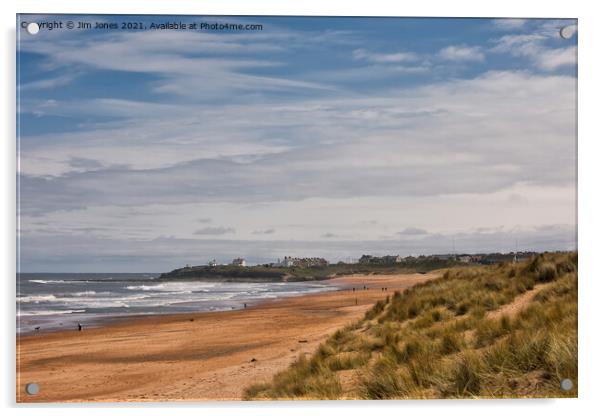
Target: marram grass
x: 444, y: 339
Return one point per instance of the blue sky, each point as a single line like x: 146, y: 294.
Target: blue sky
x: 146, y: 150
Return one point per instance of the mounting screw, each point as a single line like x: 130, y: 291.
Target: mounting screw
x: 32, y: 388
x: 567, y: 32
x: 566, y: 384
x: 33, y: 28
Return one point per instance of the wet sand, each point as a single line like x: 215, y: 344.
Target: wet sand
x: 193, y: 357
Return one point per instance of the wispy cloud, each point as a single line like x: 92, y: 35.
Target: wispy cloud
x: 215, y: 231
x: 444, y: 150
x: 48, y: 83
x: 194, y: 61
x: 556, y: 58
x: 536, y: 46
x: 509, y: 23
x: 412, y: 231
x: 394, y: 57
x: 268, y: 231
x: 462, y: 53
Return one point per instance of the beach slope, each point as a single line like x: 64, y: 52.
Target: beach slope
x: 193, y: 357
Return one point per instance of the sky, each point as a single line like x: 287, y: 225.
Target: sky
x: 145, y: 150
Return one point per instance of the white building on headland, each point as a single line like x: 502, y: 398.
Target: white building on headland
x: 239, y: 261
x: 212, y: 263
x: 303, y: 262
x: 286, y: 262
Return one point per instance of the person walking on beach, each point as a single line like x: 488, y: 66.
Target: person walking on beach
x: 79, y: 327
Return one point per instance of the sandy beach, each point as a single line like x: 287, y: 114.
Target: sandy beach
x: 192, y: 357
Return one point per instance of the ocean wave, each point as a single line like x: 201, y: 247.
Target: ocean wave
x: 145, y: 287
x: 174, y: 287
x: 152, y: 296
x: 46, y: 282
x: 86, y: 293
x: 48, y: 312
x: 36, y: 299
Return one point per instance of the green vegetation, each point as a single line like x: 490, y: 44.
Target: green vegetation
x: 448, y: 338
x: 266, y: 273
x: 233, y: 273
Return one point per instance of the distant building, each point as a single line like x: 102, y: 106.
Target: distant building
x: 444, y: 256
x: 368, y: 259
x: 464, y: 259
x: 212, y: 263
x: 311, y: 262
x: 239, y: 261
x: 304, y: 262
x: 391, y: 259
x: 285, y: 262
x: 512, y: 257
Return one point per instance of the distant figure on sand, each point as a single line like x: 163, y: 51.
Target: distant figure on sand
x: 245, y: 306
x: 79, y: 327
x: 37, y: 329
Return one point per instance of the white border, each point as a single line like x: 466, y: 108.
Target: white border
x: 590, y: 207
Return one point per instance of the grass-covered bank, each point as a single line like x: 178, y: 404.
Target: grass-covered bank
x: 276, y: 274
x: 490, y: 331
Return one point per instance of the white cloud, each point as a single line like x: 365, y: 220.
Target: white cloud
x: 521, y: 205
x: 462, y: 53
x: 187, y: 62
x: 535, y: 47
x: 510, y: 23
x: 556, y: 58
x: 395, y: 57
x: 494, y: 151
x: 215, y: 231
x: 412, y: 231
x: 48, y: 83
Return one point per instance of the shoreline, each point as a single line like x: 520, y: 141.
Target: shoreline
x: 193, y: 356
x: 67, y: 321
x: 101, y: 320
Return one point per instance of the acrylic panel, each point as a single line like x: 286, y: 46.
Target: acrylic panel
x: 285, y: 207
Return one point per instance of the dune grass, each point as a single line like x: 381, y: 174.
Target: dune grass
x: 440, y: 339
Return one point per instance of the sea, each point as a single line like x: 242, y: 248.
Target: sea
x: 62, y: 301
